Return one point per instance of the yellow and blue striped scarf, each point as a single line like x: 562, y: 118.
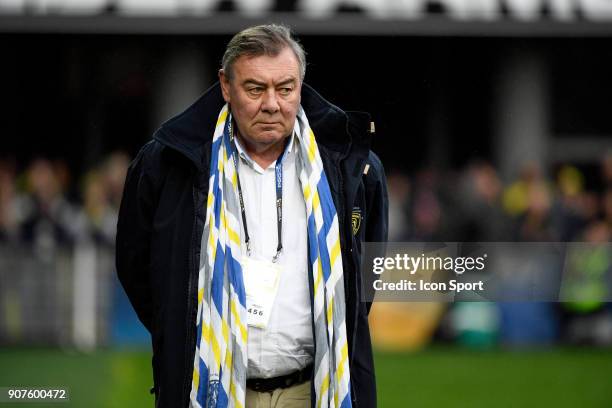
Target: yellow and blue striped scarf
x: 220, y: 363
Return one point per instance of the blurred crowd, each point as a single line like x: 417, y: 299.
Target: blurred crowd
x: 474, y: 204
x: 57, y: 238
x: 45, y: 207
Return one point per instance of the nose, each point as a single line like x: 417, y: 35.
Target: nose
x: 269, y: 103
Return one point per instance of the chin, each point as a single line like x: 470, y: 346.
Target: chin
x: 270, y: 137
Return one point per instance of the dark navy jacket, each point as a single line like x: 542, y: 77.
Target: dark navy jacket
x: 162, y: 217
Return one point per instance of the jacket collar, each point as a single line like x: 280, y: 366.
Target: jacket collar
x: 191, y: 131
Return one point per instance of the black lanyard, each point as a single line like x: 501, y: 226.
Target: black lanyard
x: 278, y: 172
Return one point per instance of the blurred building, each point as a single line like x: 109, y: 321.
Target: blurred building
x: 447, y: 81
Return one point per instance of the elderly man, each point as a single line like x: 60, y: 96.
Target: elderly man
x: 239, y: 239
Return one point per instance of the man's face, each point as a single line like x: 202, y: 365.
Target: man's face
x: 264, y: 94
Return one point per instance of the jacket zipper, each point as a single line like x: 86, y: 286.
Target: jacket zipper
x: 343, y: 243
x: 347, y: 234
x: 191, y: 311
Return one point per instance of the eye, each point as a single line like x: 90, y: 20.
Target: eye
x: 257, y: 90
x: 285, y: 91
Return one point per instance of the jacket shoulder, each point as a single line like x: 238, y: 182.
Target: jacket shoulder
x: 148, y: 158
x: 155, y: 160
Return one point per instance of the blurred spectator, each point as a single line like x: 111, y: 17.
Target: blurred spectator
x: 97, y: 219
x: 399, y: 196
x: 607, y: 207
x: 426, y: 211
x: 516, y: 195
x: 588, y: 276
x: 479, y: 201
x: 8, y: 202
x: 113, y: 172
x: 606, y: 171
x: 530, y: 200
x: 47, y: 215
x: 101, y: 192
x: 574, y: 208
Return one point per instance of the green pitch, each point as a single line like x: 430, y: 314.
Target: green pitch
x: 457, y: 378
x: 438, y: 377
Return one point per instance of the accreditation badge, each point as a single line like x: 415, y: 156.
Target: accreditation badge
x: 261, y: 279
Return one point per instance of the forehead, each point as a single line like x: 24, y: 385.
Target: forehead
x: 267, y: 68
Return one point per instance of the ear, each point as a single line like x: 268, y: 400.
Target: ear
x: 225, y: 84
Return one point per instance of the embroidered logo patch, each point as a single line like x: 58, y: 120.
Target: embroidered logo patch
x: 356, y: 220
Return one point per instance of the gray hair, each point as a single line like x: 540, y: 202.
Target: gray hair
x: 269, y: 39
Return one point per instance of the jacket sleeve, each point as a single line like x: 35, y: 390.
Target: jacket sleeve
x: 377, y: 204
x: 134, y: 227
